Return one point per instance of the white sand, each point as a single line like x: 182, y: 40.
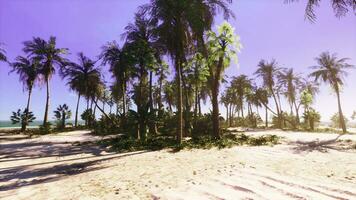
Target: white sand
x: 51, y: 167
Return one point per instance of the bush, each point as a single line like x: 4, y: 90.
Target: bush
x: 311, y: 117
x: 106, y: 126
x: 88, y: 117
x: 202, y: 126
x: 127, y: 144
x: 45, y: 128
x: 335, y: 119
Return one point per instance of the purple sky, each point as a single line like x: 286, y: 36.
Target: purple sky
x: 268, y: 29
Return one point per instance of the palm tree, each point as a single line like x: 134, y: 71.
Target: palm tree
x: 62, y: 113
x: 2, y: 54
x: 341, y: 7
x: 140, y: 41
x: 23, y: 118
x: 119, y: 61
x: 291, y: 83
x: 268, y: 72
x: 241, y: 85
x: 29, y: 72
x: 80, y: 76
x: 222, y: 47
x: 332, y: 70
x: 49, y: 56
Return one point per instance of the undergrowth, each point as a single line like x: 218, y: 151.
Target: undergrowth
x: 128, y: 144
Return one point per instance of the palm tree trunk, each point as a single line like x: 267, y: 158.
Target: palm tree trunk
x: 297, y: 113
x: 76, y: 112
x: 215, y: 101
x: 124, y: 99
x: 341, y: 115
x: 180, y: 101
x: 153, y: 127
x: 45, y: 119
x: 266, y: 117
x: 227, y: 115
x: 24, y: 125
x: 199, y: 105
x: 277, y: 107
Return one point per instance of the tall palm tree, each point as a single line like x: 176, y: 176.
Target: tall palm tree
x: 241, y: 85
x: 2, y: 54
x: 141, y: 42
x: 291, y: 83
x: 332, y: 70
x: 29, y: 72
x: 49, y: 57
x: 120, y: 63
x: 268, y: 72
x: 80, y: 76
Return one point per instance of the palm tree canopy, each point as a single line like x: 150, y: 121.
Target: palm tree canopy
x: 267, y: 71
x: 28, y: 69
x: 341, y: 7
x: 47, y: 53
x: 83, y: 76
x: 330, y: 69
x: 291, y: 82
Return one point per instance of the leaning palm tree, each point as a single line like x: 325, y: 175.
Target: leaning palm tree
x: 29, y: 72
x: 49, y: 56
x: 80, y: 75
x: 332, y: 70
x: 2, y: 54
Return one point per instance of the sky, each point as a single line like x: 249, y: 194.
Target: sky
x: 267, y: 29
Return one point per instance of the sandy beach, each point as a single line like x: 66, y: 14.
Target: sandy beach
x: 66, y: 166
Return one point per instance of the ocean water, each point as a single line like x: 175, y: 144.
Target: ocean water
x: 8, y: 123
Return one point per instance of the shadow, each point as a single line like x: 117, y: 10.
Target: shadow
x: 321, y: 146
x: 51, y: 173
x: 32, y: 150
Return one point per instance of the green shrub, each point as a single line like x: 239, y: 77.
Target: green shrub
x: 106, y: 126
x: 45, y: 128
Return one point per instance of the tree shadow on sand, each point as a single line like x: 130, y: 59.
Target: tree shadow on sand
x: 322, y: 146
x: 51, y: 173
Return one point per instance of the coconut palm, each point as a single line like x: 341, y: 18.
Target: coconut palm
x: 332, y: 70
x: 241, y: 85
x: 28, y: 70
x: 174, y: 33
x: 268, y: 72
x: 291, y: 83
x: 140, y: 41
x: 62, y: 113
x: 49, y: 57
x: 80, y: 76
x: 119, y: 61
